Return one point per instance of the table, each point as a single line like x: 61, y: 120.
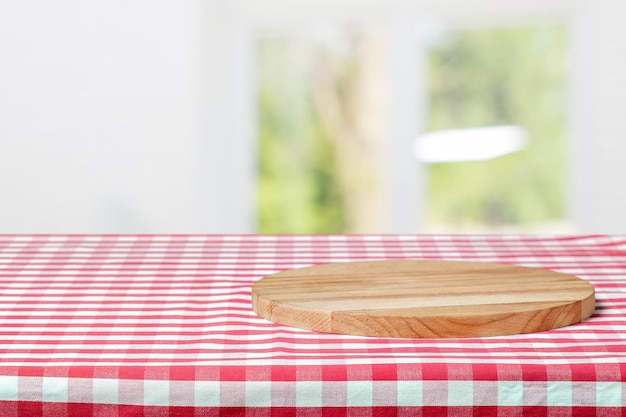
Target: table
x: 161, y: 325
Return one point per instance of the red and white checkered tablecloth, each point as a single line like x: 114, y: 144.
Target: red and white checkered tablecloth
x: 162, y: 326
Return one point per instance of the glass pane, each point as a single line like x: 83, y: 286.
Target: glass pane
x: 320, y: 140
x: 504, y: 76
x: 323, y: 126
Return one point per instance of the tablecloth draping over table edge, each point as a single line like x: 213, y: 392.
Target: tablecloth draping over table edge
x: 162, y: 325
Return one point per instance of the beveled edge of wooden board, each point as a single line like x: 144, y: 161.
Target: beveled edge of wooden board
x: 464, y: 322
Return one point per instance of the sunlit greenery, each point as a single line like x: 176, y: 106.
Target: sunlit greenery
x: 296, y: 192
x: 476, y: 78
x: 493, y: 77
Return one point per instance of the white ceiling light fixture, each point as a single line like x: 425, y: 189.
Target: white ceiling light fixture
x: 473, y: 144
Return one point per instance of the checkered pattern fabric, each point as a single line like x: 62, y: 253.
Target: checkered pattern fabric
x: 163, y: 326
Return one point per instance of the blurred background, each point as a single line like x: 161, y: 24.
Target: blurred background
x: 343, y: 116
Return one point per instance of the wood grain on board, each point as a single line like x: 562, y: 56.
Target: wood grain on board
x: 423, y: 299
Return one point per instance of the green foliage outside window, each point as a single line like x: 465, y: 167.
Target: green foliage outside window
x: 476, y: 78
x: 296, y: 191
x: 494, y: 77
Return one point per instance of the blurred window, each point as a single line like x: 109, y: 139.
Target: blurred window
x: 503, y: 76
x: 322, y: 129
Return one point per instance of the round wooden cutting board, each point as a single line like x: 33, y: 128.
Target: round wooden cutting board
x: 423, y: 299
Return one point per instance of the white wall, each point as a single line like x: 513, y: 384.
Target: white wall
x: 103, y: 123
x: 598, y: 117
